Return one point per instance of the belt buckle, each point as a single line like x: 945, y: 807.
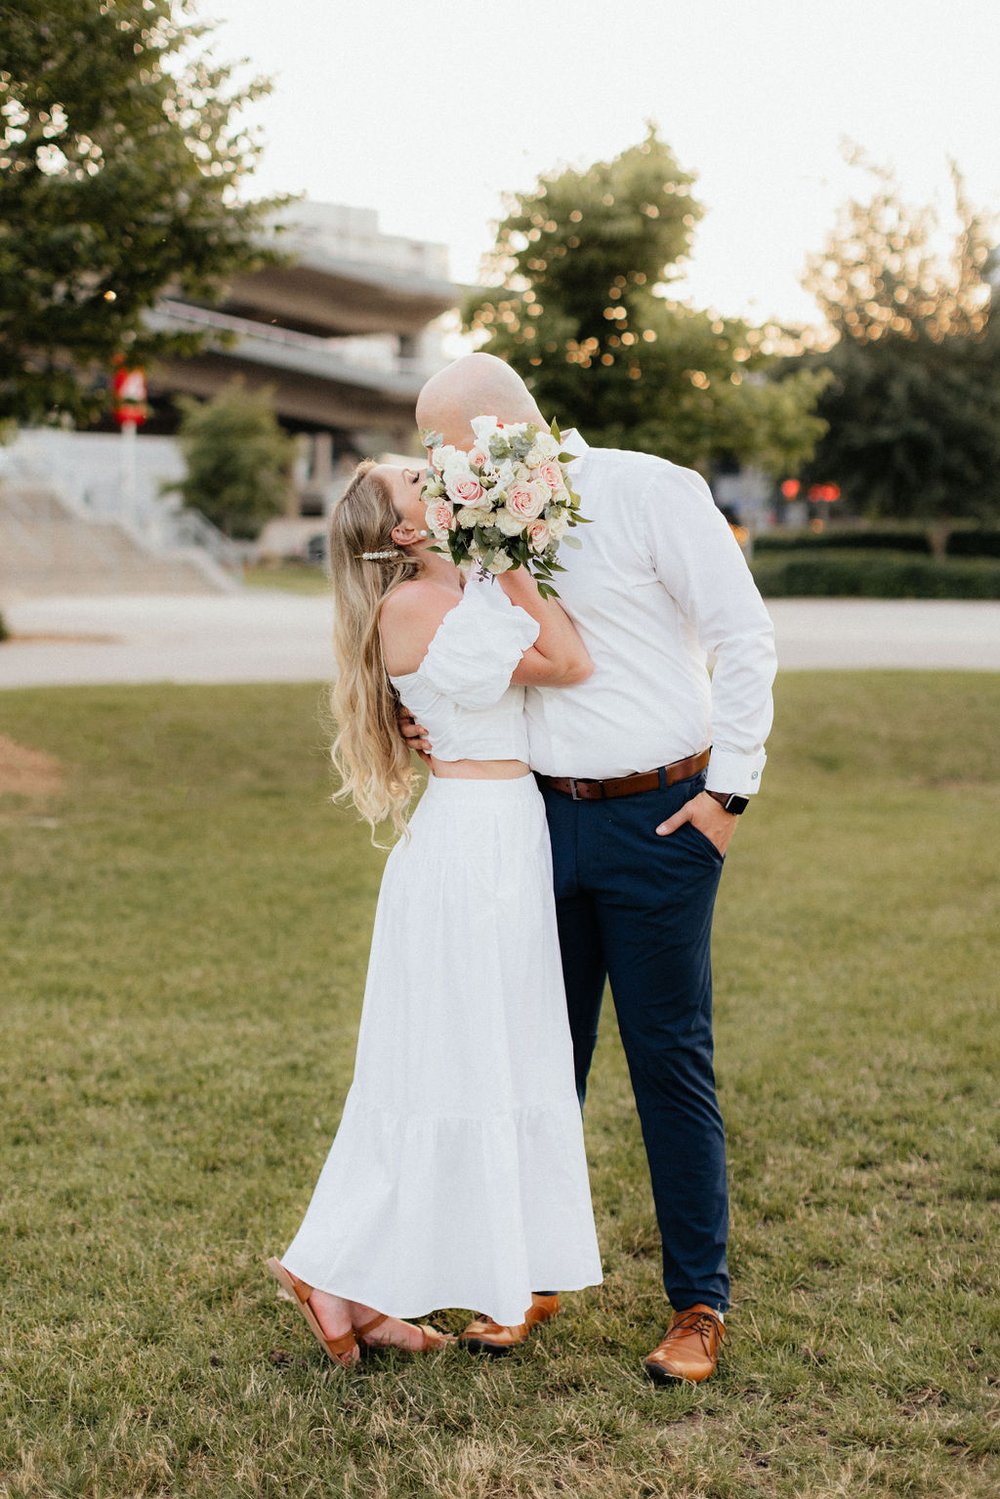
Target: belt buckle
x: 575, y: 781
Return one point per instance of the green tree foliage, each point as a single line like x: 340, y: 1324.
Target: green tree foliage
x: 238, y: 459
x: 121, y: 153
x: 583, y: 311
x: 913, y: 409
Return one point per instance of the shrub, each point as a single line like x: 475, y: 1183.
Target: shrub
x: 840, y: 540
x: 238, y: 459
x: 885, y: 575
x: 4, y: 632
x: 980, y: 543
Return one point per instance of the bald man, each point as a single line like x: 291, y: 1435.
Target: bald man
x: 645, y: 769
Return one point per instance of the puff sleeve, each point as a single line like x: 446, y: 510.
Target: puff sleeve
x: 478, y: 646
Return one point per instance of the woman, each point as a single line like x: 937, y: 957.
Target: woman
x: 464, y: 1074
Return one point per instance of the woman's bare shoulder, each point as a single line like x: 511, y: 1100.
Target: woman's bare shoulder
x: 408, y: 620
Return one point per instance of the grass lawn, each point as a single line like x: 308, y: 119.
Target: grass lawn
x: 289, y: 576
x: 185, y: 929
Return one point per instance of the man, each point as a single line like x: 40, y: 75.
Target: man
x: 641, y: 813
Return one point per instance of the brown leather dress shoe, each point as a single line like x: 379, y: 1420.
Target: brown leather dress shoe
x: 486, y: 1336
x: 689, y: 1348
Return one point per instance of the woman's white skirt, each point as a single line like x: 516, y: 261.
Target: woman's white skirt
x: 458, y: 1176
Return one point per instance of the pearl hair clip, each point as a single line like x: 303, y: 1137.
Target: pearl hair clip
x: 377, y: 556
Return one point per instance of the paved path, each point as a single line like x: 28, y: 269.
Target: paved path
x: 263, y: 635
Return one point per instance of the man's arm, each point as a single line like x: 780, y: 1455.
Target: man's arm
x: 699, y: 562
x: 414, y: 734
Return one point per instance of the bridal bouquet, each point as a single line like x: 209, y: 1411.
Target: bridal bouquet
x: 506, y: 503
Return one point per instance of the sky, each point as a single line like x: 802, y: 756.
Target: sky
x: 430, y: 110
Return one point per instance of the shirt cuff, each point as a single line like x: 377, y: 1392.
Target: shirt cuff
x: 728, y: 770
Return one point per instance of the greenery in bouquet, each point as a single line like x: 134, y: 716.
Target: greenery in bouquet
x: 506, y: 503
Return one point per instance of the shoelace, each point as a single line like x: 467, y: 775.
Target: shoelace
x: 699, y: 1322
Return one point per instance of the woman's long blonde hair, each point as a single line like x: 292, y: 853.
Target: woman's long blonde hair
x: 368, y: 751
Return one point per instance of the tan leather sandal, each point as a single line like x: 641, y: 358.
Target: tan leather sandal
x: 432, y: 1338
x: 343, y: 1349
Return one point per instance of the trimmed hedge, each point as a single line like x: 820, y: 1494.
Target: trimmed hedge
x: 884, y: 575
x: 849, y: 540
x: 974, y: 544
x: 4, y: 632
x: 982, y: 541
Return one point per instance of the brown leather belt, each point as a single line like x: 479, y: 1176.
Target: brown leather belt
x: 643, y: 780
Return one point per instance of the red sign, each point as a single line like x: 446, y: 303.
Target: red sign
x: 129, y: 390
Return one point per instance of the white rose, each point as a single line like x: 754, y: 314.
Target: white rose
x: 500, y: 564
x: 541, y: 491
x: 456, y: 467
x: 484, y: 428
x: 469, y: 516
x: 547, y: 445
x: 534, y: 456
x: 558, y: 524
x: 510, y: 525
x: 441, y: 457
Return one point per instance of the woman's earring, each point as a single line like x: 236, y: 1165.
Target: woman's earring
x: 422, y: 533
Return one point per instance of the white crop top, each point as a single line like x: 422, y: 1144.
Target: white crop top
x: 461, y: 690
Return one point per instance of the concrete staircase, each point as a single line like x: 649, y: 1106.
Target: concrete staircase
x: 49, y: 547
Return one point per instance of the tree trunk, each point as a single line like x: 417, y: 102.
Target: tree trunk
x: 937, y: 538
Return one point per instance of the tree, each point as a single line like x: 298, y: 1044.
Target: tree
x: 121, y: 153
x: 583, y: 311
x: 913, y: 409
x: 238, y: 459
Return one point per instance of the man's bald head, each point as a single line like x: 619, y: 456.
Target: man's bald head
x: 475, y: 385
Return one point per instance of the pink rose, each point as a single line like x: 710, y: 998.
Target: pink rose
x: 478, y: 458
x: 538, y: 535
x: 466, y: 491
x: 522, y: 502
x: 440, y: 517
x: 551, y: 473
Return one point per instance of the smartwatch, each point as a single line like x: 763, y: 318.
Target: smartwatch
x: 730, y: 801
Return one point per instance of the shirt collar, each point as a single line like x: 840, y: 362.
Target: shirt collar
x: 573, y: 443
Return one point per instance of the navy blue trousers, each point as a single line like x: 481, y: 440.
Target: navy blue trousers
x: 637, y: 909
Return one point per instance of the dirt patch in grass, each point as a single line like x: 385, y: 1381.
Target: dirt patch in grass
x: 27, y: 772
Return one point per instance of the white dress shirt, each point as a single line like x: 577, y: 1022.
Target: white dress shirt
x: 658, y: 586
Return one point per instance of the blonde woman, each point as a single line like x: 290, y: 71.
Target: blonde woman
x: 457, y: 1177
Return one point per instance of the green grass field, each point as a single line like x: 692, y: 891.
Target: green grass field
x: 185, y: 929
x: 290, y: 577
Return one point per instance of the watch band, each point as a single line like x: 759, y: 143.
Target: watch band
x: 731, y: 801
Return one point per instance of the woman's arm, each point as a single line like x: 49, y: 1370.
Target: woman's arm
x: 558, y: 657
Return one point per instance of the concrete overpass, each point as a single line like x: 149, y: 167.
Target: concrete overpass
x: 345, y: 332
